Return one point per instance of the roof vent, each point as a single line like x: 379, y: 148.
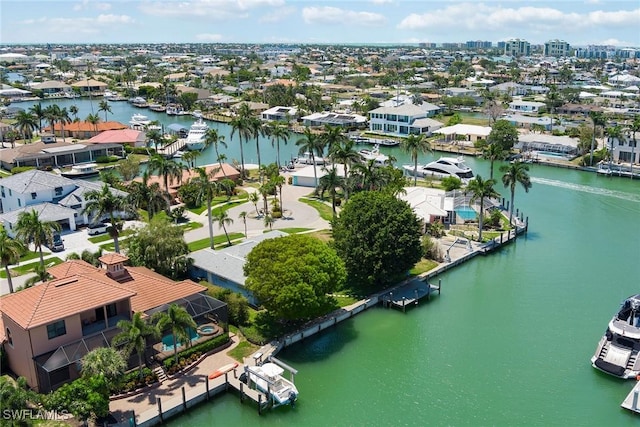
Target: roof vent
x: 66, y: 282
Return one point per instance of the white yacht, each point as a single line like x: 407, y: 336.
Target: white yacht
x: 196, y: 136
x: 197, y: 114
x: 305, y: 159
x: 139, y: 121
x: 442, y: 168
x: 374, y: 154
x: 268, y: 379
x: 617, y: 352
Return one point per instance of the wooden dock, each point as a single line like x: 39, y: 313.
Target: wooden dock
x: 171, y: 149
x: 632, y: 401
x: 409, y: 294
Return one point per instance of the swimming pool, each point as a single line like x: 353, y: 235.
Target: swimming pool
x: 552, y: 154
x: 167, y: 340
x: 466, y: 213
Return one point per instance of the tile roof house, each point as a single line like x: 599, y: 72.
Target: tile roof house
x: 48, y: 328
x: 83, y: 129
x: 130, y: 137
x: 54, y: 197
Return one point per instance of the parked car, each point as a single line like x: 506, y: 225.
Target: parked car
x: 56, y: 245
x: 97, y: 228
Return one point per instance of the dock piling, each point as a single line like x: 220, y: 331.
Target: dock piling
x: 184, y: 400
x: 634, y: 405
x: 160, y: 409
x: 206, y: 383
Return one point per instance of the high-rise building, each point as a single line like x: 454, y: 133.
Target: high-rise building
x: 557, y: 48
x: 479, y: 44
x: 596, y: 52
x: 517, y: 47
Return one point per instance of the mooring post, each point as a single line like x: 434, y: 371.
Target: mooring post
x: 526, y: 226
x: 403, y: 303
x: 235, y: 373
x: 241, y: 392
x: 184, y: 400
x: 132, y: 420
x: 226, y: 381
x: 634, y: 405
x: 206, y: 383
x: 416, y: 292
x: 159, y: 409
x: 439, y: 285
x: 259, y: 404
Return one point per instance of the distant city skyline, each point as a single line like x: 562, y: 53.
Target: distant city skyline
x: 578, y: 22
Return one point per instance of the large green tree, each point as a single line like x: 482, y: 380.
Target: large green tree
x: 515, y: 173
x: 168, y: 169
x: 106, y: 362
x: 31, y: 229
x: 313, y: 144
x: 503, y: 134
x: 159, y: 246
x: 85, y: 398
x: 378, y: 237
x: 10, y: 251
x: 293, y: 276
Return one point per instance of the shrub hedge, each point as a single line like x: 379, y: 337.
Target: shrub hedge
x: 190, y: 355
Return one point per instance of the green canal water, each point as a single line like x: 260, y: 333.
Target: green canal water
x: 507, y: 343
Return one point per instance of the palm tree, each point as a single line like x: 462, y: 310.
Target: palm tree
x: 480, y: 190
x: 255, y: 124
x: 106, y: 202
x: 344, y: 153
x: 634, y: 127
x: 243, y: 216
x: 278, y: 132
x: 38, y: 112
x: 312, y: 144
x: 269, y: 221
x: 415, y: 145
x: 223, y: 219
x: 254, y: 198
x: 42, y: 275
x: 515, y: 173
x: 106, y: 362
x: 63, y: 118
x: 166, y: 168
x: 330, y: 182
x: 493, y: 152
x: 613, y: 133
x: 51, y: 114
x: 149, y: 197
x: 207, y: 189
x: 74, y: 110
x: 133, y: 336
x: 10, y: 252
x: 212, y: 138
x: 94, y: 119
x: 31, y: 229
x: 240, y: 124
x: 180, y: 322
x: 279, y: 181
x: 104, y: 106
x: 25, y: 124
x: 333, y: 137
x: 598, y: 120
x: 155, y: 136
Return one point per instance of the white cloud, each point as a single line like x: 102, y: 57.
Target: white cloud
x: 92, y: 25
x: 614, y: 42
x: 381, y: 1
x: 86, y: 4
x: 334, y: 15
x: 483, y: 16
x: 207, y: 37
x: 277, y: 15
x: 210, y: 9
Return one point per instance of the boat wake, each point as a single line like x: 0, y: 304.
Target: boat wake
x: 632, y: 197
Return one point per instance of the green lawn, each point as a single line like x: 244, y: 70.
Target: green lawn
x: 217, y: 240
x: 242, y: 350
x: 32, y: 255
x: 104, y: 237
x: 190, y: 226
x: 235, y: 200
x: 28, y: 268
x: 344, y: 301
x: 423, y: 266
x: 294, y: 230
x: 323, y: 209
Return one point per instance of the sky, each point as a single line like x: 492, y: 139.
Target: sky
x: 578, y: 22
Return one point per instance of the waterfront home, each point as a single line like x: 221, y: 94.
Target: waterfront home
x: 48, y: 328
x: 528, y: 107
x: 403, y: 120
x: 625, y: 149
x: 509, y: 88
x: 346, y: 121
x: 57, y: 154
x: 279, y: 114
x: 550, y: 144
x: 52, y: 88
x: 83, y: 129
x: 130, y: 137
x: 224, y: 267
x: 429, y: 204
x: 90, y: 86
x: 54, y: 197
x: 528, y: 122
x: 464, y: 134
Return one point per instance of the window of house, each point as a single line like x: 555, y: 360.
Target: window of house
x: 56, y: 329
x: 9, y: 337
x: 112, y: 310
x: 34, y: 196
x: 1, y: 190
x: 19, y: 202
x: 58, y: 191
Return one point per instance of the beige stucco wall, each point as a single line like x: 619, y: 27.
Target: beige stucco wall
x: 19, y: 354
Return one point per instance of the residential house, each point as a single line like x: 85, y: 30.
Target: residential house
x: 90, y: 86
x: 509, y: 88
x: 83, y: 129
x: 429, y: 204
x: 224, y: 267
x: 549, y: 143
x: 52, y: 88
x: 527, y: 107
x: 625, y: 149
x: 528, y: 122
x: 403, y: 120
x: 54, y: 197
x: 464, y: 134
x: 279, y: 114
x: 346, y: 121
x: 130, y: 137
x: 47, y: 329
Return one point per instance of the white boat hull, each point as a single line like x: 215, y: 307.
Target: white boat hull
x: 283, y: 391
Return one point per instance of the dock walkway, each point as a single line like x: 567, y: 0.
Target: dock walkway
x: 409, y: 294
x: 632, y: 401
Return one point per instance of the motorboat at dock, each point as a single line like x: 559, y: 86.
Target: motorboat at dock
x: 442, y: 168
x: 618, y: 349
x: 86, y: 170
x: 374, y: 155
x: 268, y: 379
x: 195, y: 138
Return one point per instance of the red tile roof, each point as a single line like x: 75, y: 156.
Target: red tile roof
x: 118, y: 136
x: 71, y: 268
x: 86, y: 127
x: 113, y: 258
x: 60, y: 298
x: 153, y: 290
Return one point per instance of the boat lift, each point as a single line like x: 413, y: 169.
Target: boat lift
x: 467, y: 242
